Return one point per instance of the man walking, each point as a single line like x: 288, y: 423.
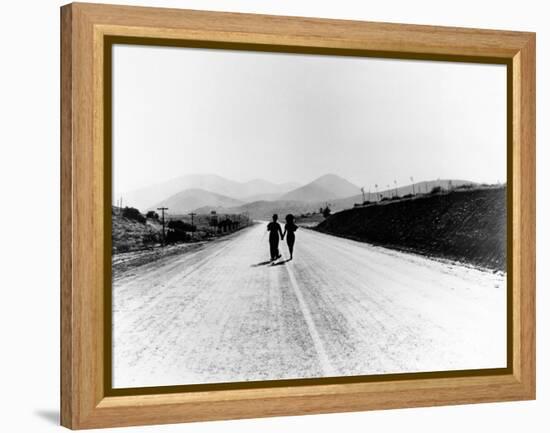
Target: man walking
x: 275, y: 232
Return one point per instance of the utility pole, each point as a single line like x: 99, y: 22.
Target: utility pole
x: 376, y: 189
x: 192, y: 225
x: 412, y: 180
x: 162, y: 209
x: 395, y: 184
x: 363, y: 192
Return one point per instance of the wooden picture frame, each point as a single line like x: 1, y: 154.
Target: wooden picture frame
x: 87, y: 30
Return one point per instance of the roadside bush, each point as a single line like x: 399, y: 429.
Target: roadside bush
x: 177, y: 231
x: 121, y: 247
x: 152, y: 215
x: 150, y: 239
x: 408, y: 195
x: 181, y: 226
x: 436, y: 190
x: 173, y: 236
x: 133, y: 214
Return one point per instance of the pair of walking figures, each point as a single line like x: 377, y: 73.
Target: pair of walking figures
x: 274, y: 229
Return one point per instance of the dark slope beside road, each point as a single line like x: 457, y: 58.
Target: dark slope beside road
x: 464, y: 225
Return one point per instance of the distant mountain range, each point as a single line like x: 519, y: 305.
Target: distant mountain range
x: 327, y: 187
x: 146, y: 198
x: 260, y: 199
x: 190, y: 199
x: 264, y: 209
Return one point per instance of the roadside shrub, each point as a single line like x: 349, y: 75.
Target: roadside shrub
x: 121, y: 247
x: 173, y: 236
x: 385, y: 199
x: 408, y: 195
x: 177, y: 231
x: 150, y: 238
x: 436, y: 190
x: 152, y: 215
x: 133, y: 214
x: 181, y: 226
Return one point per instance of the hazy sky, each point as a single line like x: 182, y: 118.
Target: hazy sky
x: 294, y: 117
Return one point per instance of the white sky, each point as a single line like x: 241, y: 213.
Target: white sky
x: 294, y: 117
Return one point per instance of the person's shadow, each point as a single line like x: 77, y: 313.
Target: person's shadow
x: 282, y: 263
x: 267, y: 262
x: 270, y: 262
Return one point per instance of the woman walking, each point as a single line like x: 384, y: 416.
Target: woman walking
x: 290, y: 228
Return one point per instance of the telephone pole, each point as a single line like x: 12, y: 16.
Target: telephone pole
x: 192, y: 225
x: 162, y: 209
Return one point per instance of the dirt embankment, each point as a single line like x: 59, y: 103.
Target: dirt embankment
x: 136, y: 242
x: 468, y: 226
x: 131, y: 235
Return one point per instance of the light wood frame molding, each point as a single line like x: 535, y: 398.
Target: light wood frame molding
x: 85, y: 402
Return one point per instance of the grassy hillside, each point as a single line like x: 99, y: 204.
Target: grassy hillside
x: 131, y: 235
x: 133, y: 231
x: 463, y: 225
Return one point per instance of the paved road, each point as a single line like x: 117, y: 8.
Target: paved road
x: 223, y: 314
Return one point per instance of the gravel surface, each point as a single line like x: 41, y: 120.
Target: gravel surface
x: 222, y: 313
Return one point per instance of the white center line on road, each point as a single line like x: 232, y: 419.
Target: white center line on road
x: 326, y: 366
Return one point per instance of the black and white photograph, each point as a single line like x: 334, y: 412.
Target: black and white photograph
x: 283, y: 216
